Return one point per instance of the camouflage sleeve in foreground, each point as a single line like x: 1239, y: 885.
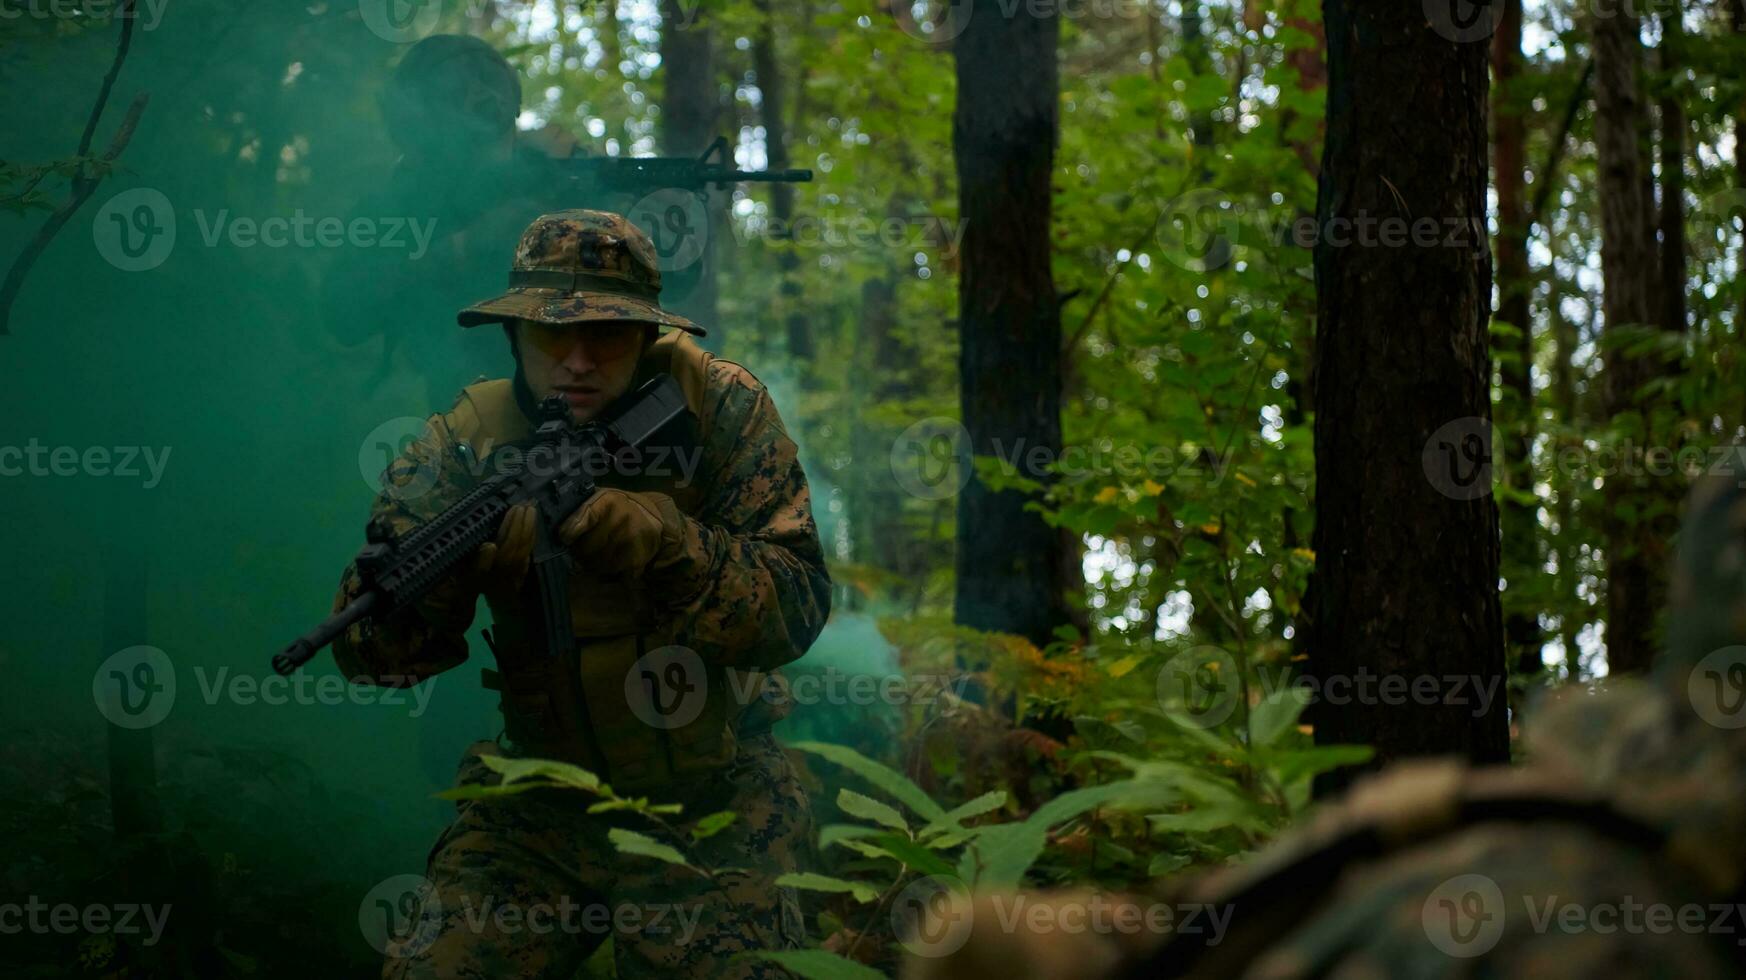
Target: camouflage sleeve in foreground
x: 430, y: 637
x: 750, y: 588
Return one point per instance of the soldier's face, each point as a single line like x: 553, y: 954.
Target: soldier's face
x: 587, y: 364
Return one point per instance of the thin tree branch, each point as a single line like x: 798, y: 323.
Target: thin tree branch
x: 83, y: 183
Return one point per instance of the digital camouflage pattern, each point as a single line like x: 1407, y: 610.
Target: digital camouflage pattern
x: 577, y: 267
x: 1617, y: 849
x: 738, y: 584
x: 529, y: 886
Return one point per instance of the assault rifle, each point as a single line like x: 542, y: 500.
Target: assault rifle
x: 555, y: 471
x: 644, y: 175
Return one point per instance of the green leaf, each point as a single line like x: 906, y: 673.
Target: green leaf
x: 816, y: 964
x: 712, y: 824
x: 867, y: 808
x: 474, y: 791
x: 1163, y: 864
x: 559, y: 773
x: 917, y: 856
x: 1198, y: 821
x: 880, y: 775
x: 642, y: 845
x: 986, y: 803
x: 1004, y: 852
x: 860, y: 891
x: 1277, y: 714
x: 837, y: 833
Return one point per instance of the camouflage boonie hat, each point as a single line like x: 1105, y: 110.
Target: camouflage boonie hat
x: 580, y: 267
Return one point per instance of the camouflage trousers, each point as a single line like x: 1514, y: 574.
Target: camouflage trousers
x: 529, y: 886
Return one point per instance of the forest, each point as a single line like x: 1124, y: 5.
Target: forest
x: 1204, y: 405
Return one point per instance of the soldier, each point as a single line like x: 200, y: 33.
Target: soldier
x: 1616, y: 850
x: 468, y: 180
x: 710, y: 560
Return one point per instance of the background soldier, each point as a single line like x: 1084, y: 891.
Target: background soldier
x: 450, y: 108
x: 715, y: 562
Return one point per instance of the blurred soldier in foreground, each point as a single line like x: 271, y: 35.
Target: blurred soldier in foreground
x: 1618, y: 849
x: 696, y: 572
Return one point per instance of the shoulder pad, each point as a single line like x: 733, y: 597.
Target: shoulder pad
x: 485, y: 415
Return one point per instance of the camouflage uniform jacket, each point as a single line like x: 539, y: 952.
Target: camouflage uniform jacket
x: 672, y: 668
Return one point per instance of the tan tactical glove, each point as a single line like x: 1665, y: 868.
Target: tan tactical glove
x: 621, y: 533
x: 500, y: 566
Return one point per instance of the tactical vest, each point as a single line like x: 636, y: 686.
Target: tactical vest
x: 583, y: 712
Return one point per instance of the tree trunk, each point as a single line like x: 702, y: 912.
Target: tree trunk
x: 1516, y: 354
x: 1629, y: 263
x: 1406, y: 536
x: 1673, y: 137
x: 1009, y: 566
x: 690, y: 111
x: 773, y: 102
